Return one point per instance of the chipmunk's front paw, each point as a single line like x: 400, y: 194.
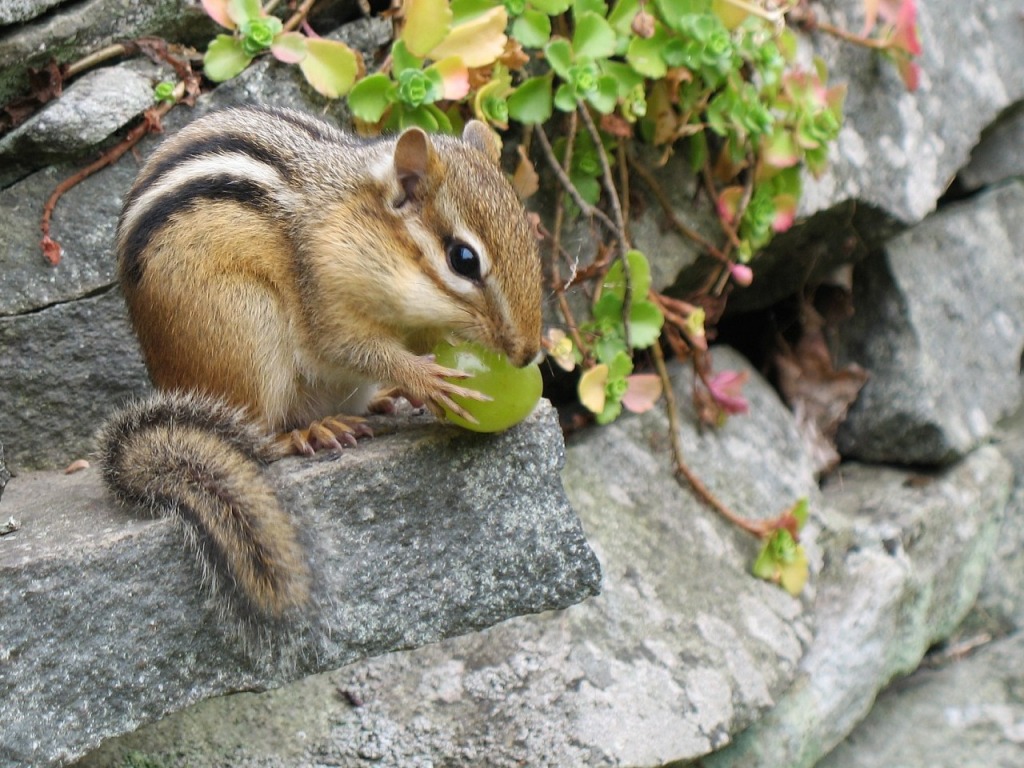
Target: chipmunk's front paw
x: 437, y: 388
x: 333, y: 433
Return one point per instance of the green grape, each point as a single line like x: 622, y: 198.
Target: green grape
x: 513, y: 391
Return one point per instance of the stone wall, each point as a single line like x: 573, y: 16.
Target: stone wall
x: 683, y: 658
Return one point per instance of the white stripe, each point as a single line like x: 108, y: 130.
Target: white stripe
x: 236, y: 164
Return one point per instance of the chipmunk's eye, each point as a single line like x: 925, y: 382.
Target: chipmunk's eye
x: 463, y: 260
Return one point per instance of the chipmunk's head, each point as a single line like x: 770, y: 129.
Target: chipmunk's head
x: 479, y: 275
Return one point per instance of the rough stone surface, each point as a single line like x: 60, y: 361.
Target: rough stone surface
x: 948, y: 294
x: 997, y: 156
x: 66, y: 350
x: 1000, y: 607
x: 90, y: 109
x: 13, y: 11
x: 89, y: 592
x: 905, y: 557
x: 969, y: 713
x: 81, y: 28
x: 898, y: 151
x: 63, y: 369
x: 682, y: 648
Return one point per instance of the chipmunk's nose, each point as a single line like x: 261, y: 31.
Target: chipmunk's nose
x: 524, y: 354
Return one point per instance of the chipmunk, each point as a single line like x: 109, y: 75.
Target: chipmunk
x: 277, y: 271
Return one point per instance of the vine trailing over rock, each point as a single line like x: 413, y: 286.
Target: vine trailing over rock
x: 719, y: 81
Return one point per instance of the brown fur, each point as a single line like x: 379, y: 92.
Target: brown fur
x: 277, y: 267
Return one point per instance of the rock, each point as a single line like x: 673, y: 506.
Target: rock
x: 64, y: 369
x: 1000, y: 606
x: 66, y: 349
x: 898, y: 150
x: 968, y: 713
x: 905, y: 557
x: 77, y: 29
x: 996, y: 157
x: 682, y: 649
x: 14, y: 11
x: 399, y: 562
x: 91, y: 109
x: 938, y: 325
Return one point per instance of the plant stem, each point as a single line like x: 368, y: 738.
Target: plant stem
x: 586, y: 208
x: 756, y: 527
x: 151, y: 119
x: 616, y: 205
x: 299, y: 16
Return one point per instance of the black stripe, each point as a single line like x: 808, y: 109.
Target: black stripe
x: 222, y: 143
x: 183, y: 198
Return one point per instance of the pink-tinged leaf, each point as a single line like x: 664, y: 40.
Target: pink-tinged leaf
x: 289, y: 47
x: 785, y: 212
x: 455, y: 76
x: 910, y: 73
x: 427, y: 23
x: 330, y: 66
x: 780, y: 150
x: 903, y: 18
x: 642, y: 392
x: 51, y: 250
x: 729, y: 203
x: 218, y: 11
x: 479, y: 41
x: 591, y: 388
x: 726, y: 388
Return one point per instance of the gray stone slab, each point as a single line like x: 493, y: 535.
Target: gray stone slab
x: 905, y: 558
x: 91, y: 109
x: 424, y: 534
x: 969, y: 713
x: 13, y: 11
x: 682, y: 649
x: 938, y: 324
x: 998, y: 156
x: 76, y: 29
x: 62, y: 370
x: 898, y: 151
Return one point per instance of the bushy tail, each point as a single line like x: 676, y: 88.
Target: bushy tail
x: 202, y: 462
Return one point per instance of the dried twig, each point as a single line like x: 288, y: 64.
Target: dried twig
x: 149, y: 122
x: 299, y: 16
x: 759, y: 528
x: 586, y: 208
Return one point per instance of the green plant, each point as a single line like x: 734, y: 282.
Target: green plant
x: 329, y: 66
x: 717, y: 79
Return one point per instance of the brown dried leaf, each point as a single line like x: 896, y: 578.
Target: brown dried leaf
x: 819, y: 395
x: 525, y: 181
x: 45, y: 84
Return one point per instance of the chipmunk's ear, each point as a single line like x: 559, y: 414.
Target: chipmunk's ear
x: 479, y: 136
x: 413, y: 155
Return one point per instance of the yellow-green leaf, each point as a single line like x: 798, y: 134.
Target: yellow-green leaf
x: 479, y: 41
x: 289, y: 47
x: 591, y: 388
x: 330, y: 66
x: 225, y: 58
x: 427, y: 23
